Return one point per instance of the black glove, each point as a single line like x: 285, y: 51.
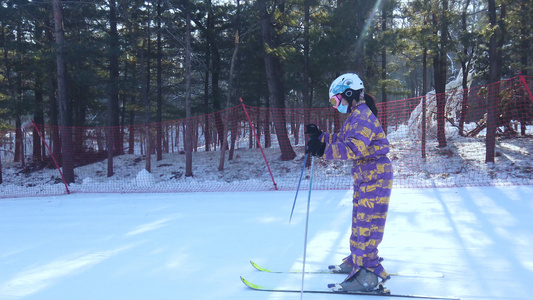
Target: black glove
x: 312, y: 130
x: 315, y: 147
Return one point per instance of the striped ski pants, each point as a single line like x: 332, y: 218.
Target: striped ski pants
x: 372, y: 190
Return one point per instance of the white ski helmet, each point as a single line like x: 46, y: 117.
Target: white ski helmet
x: 344, y: 82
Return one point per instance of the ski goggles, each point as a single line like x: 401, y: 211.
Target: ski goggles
x: 336, y: 100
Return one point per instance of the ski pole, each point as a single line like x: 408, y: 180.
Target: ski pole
x: 298, y: 188
x: 307, y: 224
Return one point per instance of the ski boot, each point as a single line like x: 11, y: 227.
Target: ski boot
x: 362, y: 281
x: 343, y: 268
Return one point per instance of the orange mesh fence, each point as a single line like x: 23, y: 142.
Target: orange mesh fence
x: 151, y: 157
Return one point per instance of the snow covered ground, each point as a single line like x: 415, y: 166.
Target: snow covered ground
x: 461, y: 163
x: 196, y: 245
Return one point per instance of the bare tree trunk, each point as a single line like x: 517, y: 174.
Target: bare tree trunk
x: 440, y: 68
x: 19, y: 147
x: 207, y: 131
x: 495, y: 66
x: 1, y: 171
x: 424, y: 92
x: 159, y: 117
x: 54, y: 129
x: 228, y: 102
x: 465, y: 66
x: 38, y: 118
x: 188, y: 130
x: 525, y: 31
x: 525, y: 48
x: 53, y: 113
x: 112, y: 104
x: 145, y: 75
x: 307, y: 99
x: 38, y: 114
x: 276, y: 87
x: 9, y: 86
x: 19, y: 140
x: 384, y: 15
x: 149, y: 141
x: 67, y: 157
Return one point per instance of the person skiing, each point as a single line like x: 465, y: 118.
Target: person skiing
x: 362, y: 140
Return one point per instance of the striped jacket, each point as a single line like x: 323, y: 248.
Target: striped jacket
x: 361, y: 137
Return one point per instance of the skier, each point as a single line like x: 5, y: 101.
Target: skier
x: 362, y: 140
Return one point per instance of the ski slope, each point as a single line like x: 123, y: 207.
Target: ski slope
x: 197, y: 245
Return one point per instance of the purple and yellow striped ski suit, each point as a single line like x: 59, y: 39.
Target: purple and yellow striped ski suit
x: 363, y: 140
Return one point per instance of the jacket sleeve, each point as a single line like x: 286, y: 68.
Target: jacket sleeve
x: 354, y: 144
x: 329, y: 138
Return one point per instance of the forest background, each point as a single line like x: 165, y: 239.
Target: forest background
x: 118, y: 63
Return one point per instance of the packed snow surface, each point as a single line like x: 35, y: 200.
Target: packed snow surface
x: 197, y: 245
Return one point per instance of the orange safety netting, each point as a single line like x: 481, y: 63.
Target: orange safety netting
x: 411, y: 124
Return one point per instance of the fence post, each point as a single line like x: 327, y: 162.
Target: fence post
x: 523, y: 79
x: 51, y: 155
x: 424, y: 126
x: 258, y: 143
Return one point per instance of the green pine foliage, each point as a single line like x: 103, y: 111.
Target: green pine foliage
x: 343, y: 36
